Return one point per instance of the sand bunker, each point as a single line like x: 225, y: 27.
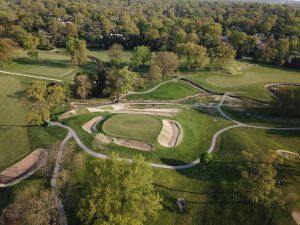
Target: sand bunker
x: 171, y: 134
x: 287, y: 154
x: 296, y: 217
x: 134, y: 144
x: 23, y: 169
x: 91, y: 125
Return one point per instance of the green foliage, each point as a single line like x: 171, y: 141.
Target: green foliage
x: 30, y: 44
x: 114, y: 53
x: 77, y: 49
x: 196, y: 55
x: 258, y: 182
x: 205, y: 158
x: 221, y: 55
x: 154, y: 74
x: 40, y: 98
x: 120, y: 81
x: 120, y: 193
x: 141, y: 55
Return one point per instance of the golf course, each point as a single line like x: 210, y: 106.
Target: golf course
x: 201, y: 122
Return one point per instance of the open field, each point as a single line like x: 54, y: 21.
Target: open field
x: 168, y: 91
x: 252, y: 80
x: 136, y: 127
x: 49, y: 65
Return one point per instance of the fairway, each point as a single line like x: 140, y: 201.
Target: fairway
x: 13, y: 131
x: 168, y: 91
x: 252, y: 79
x: 49, y: 65
x: 136, y: 127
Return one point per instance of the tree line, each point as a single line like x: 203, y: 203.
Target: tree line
x: 267, y: 33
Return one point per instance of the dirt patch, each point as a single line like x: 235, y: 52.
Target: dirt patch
x: 287, y: 154
x: 134, y: 144
x: 24, y: 168
x: 171, y: 134
x: 296, y: 217
x: 90, y: 126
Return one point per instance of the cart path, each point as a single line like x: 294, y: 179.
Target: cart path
x: 73, y: 134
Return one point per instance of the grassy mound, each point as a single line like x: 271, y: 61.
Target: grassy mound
x: 137, y: 127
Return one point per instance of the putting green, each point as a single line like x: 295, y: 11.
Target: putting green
x: 133, y: 126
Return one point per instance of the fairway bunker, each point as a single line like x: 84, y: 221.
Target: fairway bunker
x: 134, y: 144
x: 90, y: 126
x: 23, y: 169
x: 171, y: 134
x: 287, y: 154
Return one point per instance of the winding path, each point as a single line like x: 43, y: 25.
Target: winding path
x: 73, y: 134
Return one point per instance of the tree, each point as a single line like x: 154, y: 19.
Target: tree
x: 196, y: 55
x: 40, y: 98
x: 83, y: 85
x: 167, y: 61
x: 120, y: 193
x: 222, y: 55
x: 34, y: 205
x: 259, y: 179
x: 114, y: 53
x: 30, y: 44
x: 282, y: 47
x: 77, y: 49
x: 141, y: 55
x: 7, y: 50
x: 205, y: 158
x: 120, y: 81
x: 237, y: 38
x: 154, y: 73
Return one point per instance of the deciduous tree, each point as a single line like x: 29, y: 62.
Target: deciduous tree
x: 83, y: 85
x: 259, y: 179
x: 77, y: 50
x: 167, y: 61
x: 114, y: 53
x: 196, y: 55
x: 120, y: 193
x: 141, y: 55
x: 7, y: 50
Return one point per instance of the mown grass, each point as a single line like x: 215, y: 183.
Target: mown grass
x: 252, y: 80
x: 168, y: 91
x: 210, y: 192
x: 14, y: 143
x: 49, y: 65
x: 198, y: 130
x: 136, y: 127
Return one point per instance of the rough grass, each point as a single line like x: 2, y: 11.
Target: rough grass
x: 130, y: 126
x: 252, y: 79
x: 168, y: 91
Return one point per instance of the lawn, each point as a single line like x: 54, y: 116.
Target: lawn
x: 14, y: 143
x: 49, y: 65
x: 251, y: 80
x: 17, y: 139
x: 103, y: 55
x: 168, y: 91
x: 130, y: 126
